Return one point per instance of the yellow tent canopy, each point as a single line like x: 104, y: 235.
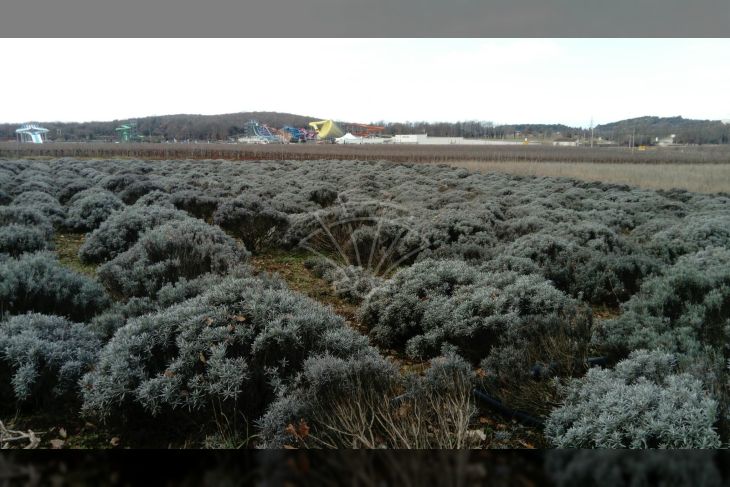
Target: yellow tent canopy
x: 326, y: 129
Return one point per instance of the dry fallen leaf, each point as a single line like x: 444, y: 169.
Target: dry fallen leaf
x: 202, y: 357
x: 526, y: 444
x: 477, y: 434
x: 57, y: 443
x: 62, y: 432
x: 303, y: 429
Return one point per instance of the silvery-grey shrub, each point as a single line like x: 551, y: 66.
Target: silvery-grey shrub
x: 251, y: 220
x: 641, y: 403
x: 433, y: 303
x: 693, y: 233
x: 324, y: 379
x: 122, y: 229
x: 684, y: 310
x: 117, y: 183
x: 71, y: 189
x: 88, y: 212
x: 609, y: 468
x: 177, y: 249
x: 16, y: 239
x: 137, y: 190
x: 587, y: 260
x: 45, y: 356
x: 155, y: 198
x: 30, y: 217
x: 43, y: 202
x: 239, y: 345
x: 117, y: 315
x: 323, y: 195
x: 38, y: 282
x: 198, y: 203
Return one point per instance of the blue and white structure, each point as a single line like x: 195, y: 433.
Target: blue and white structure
x: 31, y: 133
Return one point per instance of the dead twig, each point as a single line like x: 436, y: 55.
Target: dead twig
x: 8, y: 437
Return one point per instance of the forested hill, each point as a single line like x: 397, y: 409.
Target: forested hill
x: 644, y: 130
x: 168, y: 127
x: 647, y: 129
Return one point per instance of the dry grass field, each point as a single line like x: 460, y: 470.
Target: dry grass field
x: 718, y: 154
x: 700, y: 178
x: 704, y: 169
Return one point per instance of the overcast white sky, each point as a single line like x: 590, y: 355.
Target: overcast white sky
x: 501, y: 80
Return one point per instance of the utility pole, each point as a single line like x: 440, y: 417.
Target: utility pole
x: 633, y: 138
x: 591, y: 132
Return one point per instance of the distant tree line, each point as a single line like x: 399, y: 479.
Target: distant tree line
x: 479, y: 129
x: 646, y: 130
x: 167, y: 127
x: 637, y: 131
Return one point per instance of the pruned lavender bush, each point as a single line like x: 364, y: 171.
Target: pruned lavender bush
x: 642, y: 403
x: 325, y: 379
x: 586, y: 260
x: 88, y: 212
x: 30, y: 217
x: 608, y: 468
x: 685, y: 310
x: 178, y: 249
x: 71, y: 189
x: 197, y: 203
x: 117, y: 315
x: 507, y: 322
x: 122, y: 229
x: 253, y: 221
x: 155, y: 198
x: 238, y: 346
x: 44, y: 356
x: 363, y: 402
x: 44, y: 203
x: 38, y: 282
x: 324, y: 195
x: 437, y: 302
x: 690, y: 235
x: 18, y: 239
x: 137, y: 190
x: 119, y: 182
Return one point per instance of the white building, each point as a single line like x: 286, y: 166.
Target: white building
x: 410, y: 138
x: 665, y: 141
x: 566, y: 142
x: 424, y: 139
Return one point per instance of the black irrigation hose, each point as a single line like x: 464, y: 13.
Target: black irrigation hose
x: 522, y: 416
x: 596, y: 361
x: 497, y: 405
x: 538, y: 371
